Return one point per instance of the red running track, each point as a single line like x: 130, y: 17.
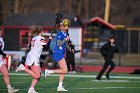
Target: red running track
x: 118, y: 69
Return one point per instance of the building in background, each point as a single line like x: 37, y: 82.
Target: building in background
x: 96, y: 34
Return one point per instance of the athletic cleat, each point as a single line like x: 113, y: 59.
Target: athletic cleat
x: 73, y: 72
x: 12, y: 90
x: 47, y: 73
x: 61, y: 89
x: 97, y: 78
x: 20, y: 68
x: 32, y: 91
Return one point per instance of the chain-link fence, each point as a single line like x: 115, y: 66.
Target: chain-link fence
x: 128, y: 41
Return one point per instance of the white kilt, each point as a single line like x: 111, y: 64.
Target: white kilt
x: 32, y: 58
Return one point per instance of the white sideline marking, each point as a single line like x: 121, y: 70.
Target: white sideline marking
x: 82, y: 76
x: 91, y: 88
x: 99, y: 88
x: 93, y: 76
x: 21, y: 89
x: 117, y: 81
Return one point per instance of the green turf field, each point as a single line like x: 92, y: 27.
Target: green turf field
x: 77, y: 83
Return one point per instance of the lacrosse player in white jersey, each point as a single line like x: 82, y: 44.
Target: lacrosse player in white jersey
x: 32, y: 60
x: 3, y: 68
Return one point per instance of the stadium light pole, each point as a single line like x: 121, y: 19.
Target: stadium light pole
x: 107, y: 10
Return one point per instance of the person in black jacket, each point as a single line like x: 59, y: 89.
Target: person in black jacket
x: 70, y: 58
x: 107, y: 51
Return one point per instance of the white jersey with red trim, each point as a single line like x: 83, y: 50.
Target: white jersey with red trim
x: 36, y: 44
x: 1, y: 47
x: 1, y: 43
x: 36, y: 49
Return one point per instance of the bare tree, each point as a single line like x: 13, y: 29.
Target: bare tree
x: 86, y: 9
x: 121, y: 11
x: 16, y: 6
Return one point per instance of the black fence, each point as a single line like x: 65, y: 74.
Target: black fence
x: 128, y: 41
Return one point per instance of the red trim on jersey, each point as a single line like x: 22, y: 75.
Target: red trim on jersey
x: 43, y: 41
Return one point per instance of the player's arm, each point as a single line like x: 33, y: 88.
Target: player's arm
x: 60, y: 43
x: 1, y: 52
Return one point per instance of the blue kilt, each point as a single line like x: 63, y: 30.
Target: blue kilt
x: 58, y: 56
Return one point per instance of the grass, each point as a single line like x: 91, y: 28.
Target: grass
x: 77, y: 83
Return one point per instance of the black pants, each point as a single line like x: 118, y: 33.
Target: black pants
x: 70, y: 63
x: 108, y: 61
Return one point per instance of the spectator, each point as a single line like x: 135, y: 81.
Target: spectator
x: 107, y: 51
x: 70, y: 59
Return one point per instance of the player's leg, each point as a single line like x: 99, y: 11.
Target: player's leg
x: 4, y: 72
x: 37, y: 71
x: 30, y: 59
x: 32, y: 72
x: 63, y: 70
x: 61, y: 62
x: 26, y: 69
x: 63, y: 66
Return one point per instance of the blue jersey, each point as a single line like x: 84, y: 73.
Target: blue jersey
x: 60, y: 36
x: 60, y: 51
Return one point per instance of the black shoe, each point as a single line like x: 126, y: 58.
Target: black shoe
x: 97, y: 78
x: 107, y: 76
